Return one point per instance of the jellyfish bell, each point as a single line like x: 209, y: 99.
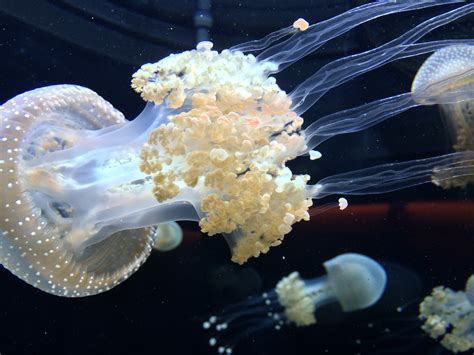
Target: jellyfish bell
x: 34, y: 225
x: 260, y: 104
x: 168, y: 236
x: 447, y: 76
x: 354, y: 281
x: 66, y: 228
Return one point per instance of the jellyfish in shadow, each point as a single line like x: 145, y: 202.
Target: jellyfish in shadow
x: 448, y: 317
x: 231, y: 281
x: 354, y: 281
x: 84, y: 189
x: 445, y: 315
x: 168, y: 236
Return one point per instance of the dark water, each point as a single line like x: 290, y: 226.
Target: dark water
x: 424, y: 235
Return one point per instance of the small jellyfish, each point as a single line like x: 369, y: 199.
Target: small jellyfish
x: 448, y: 316
x: 84, y: 189
x: 168, y: 236
x: 354, y: 281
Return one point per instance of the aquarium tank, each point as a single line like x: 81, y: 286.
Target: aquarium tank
x: 220, y: 177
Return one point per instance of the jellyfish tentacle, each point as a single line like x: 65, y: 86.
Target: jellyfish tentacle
x: 395, y: 176
x: 347, y: 68
x: 416, y: 49
x: 447, y: 74
x: 367, y: 115
x: 305, y: 97
x: 265, y: 42
x: 32, y: 244
x: 297, y: 47
x: 356, y: 119
x: 168, y: 236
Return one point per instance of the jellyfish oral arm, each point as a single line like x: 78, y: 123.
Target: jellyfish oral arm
x: 448, y: 317
x: 368, y: 115
x: 86, y: 185
x: 395, y: 176
x: 265, y: 42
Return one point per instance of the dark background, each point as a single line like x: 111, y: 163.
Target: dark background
x: 159, y: 310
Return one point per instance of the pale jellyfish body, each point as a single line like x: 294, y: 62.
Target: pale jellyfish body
x: 84, y: 188
x: 354, y: 281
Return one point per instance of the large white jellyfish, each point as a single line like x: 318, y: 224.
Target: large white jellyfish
x: 448, y: 316
x: 83, y: 189
x: 354, y: 281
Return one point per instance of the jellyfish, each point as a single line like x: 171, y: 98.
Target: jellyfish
x: 448, y: 316
x: 445, y: 315
x: 354, y: 281
x: 168, y: 236
x: 84, y: 189
x: 459, y: 118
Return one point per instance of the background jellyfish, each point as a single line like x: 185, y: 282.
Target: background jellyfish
x: 458, y: 118
x: 445, y: 315
x: 448, y: 316
x: 211, y: 146
x: 353, y: 280
x: 168, y: 236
